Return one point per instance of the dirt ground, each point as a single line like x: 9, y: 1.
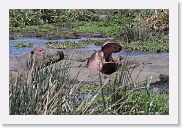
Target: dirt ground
x: 151, y: 66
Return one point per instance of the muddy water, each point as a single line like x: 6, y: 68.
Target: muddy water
x: 41, y: 42
x: 89, y: 48
x: 156, y: 65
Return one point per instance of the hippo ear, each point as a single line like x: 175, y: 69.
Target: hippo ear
x: 111, y: 47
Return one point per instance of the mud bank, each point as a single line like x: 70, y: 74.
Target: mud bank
x: 152, y: 67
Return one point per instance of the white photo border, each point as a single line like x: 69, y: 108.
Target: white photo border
x: 172, y: 118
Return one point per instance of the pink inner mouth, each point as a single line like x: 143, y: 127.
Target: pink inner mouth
x: 103, y: 58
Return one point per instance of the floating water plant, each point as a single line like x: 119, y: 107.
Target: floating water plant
x: 98, y: 42
x: 23, y: 44
x: 150, y: 46
x: 66, y: 44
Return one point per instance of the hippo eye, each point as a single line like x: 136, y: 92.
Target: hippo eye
x: 40, y: 50
x: 32, y: 52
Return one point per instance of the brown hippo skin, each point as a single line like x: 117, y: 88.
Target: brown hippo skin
x: 39, y: 57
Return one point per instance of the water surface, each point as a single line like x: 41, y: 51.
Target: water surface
x: 89, y: 48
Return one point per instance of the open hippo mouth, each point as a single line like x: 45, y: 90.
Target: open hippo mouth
x: 44, y: 57
x: 102, y: 60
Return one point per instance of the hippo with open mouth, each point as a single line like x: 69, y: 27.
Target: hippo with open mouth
x: 102, y: 60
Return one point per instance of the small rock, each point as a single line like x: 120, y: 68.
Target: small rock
x: 164, y: 78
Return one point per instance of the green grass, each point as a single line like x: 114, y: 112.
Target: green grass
x: 111, y: 30
x: 67, y: 22
x: 87, y: 89
x: 23, y: 44
x: 51, y: 91
x: 151, y: 46
x: 46, y: 30
x: 37, y: 28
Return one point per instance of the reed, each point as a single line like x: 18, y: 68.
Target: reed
x: 51, y: 91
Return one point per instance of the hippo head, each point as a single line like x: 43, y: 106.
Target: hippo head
x: 108, y: 48
x: 102, y: 60
x: 41, y: 57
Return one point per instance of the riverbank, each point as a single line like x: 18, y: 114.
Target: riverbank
x: 129, y: 27
x: 152, y: 64
x: 150, y: 67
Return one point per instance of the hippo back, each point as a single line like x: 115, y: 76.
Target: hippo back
x: 38, y: 57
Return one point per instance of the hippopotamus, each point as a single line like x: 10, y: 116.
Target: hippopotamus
x: 38, y: 58
x: 102, y: 60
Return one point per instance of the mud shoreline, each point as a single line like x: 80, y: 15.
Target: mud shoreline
x: 156, y: 68
x: 76, y: 35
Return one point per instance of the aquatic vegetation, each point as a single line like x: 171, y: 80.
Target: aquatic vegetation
x: 150, y: 46
x: 23, y: 44
x: 98, y: 42
x: 95, y: 42
x: 65, y: 44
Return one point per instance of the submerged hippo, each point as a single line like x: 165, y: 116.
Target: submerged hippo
x: 102, y: 60
x: 38, y: 58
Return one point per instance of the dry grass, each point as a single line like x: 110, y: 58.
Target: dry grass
x: 51, y: 91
